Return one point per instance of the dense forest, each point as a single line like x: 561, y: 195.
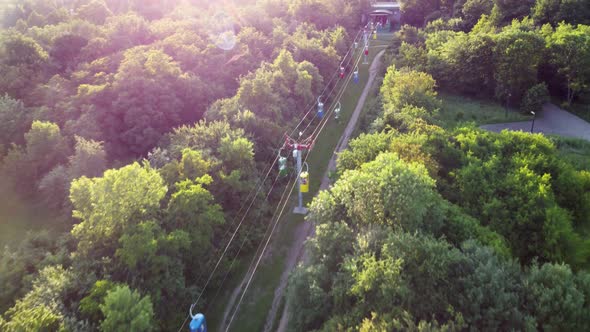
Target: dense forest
x: 434, y: 228
x: 142, y: 127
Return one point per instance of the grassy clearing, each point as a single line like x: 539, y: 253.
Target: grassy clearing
x: 214, y: 312
x: 457, y: 110
x: 581, y: 110
x: 581, y: 107
x: 574, y: 150
x: 371, y: 110
x: 257, y: 302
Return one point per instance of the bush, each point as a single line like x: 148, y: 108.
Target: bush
x: 534, y: 98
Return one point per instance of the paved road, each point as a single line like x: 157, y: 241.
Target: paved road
x: 306, y: 229
x: 552, y: 120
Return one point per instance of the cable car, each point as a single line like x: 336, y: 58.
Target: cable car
x: 320, y: 108
x: 283, y: 171
x: 197, y: 323
x: 337, y: 111
x: 304, y: 179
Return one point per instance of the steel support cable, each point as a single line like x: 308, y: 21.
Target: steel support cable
x: 329, y: 94
x: 233, y: 235
x: 349, y: 76
x: 328, y: 84
x: 242, y: 245
x: 311, y: 108
x: 333, y: 106
x: 277, y: 220
x: 310, y: 122
x: 301, y: 121
x: 262, y: 253
x: 260, y: 186
x: 230, y: 241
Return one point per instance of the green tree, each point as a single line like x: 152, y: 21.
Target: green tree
x: 408, y: 87
x: 412, y: 56
x: 574, y: 12
x: 473, y: 9
x: 363, y: 149
x: 18, y: 49
x: 534, y: 98
x: 125, y: 31
x: 45, y: 147
x: 554, y: 299
x: 493, y: 290
x: 14, y: 120
x: 192, y: 165
x: 90, y: 304
x: 414, y: 12
x: 66, y: 48
x: 107, y: 205
x: 150, y: 96
x: 427, y: 273
x: 22, y: 62
x: 464, y: 63
x: 89, y: 159
x: 385, y: 191
x: 569, y: 51
x: 126, y: 310
x: 191, y: 208
x: 310, y: 302
x: 312, y: 11
x: 332, y: 242
x: 529, y: 218
x: 33, y: 253
x: 42, y: 308
x: 518, y: 53
x: 95, y: 11
x: 54, y: 187
x: 514, y: 9
x: 138, y: 246
x: 545, y: 11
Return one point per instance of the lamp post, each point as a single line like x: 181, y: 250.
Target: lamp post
x: 533, y: 124
x: 506, y: 108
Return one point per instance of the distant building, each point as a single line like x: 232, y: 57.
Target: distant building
x: 387, y: 12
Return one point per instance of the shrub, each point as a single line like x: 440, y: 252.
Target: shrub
x: 534, y: 98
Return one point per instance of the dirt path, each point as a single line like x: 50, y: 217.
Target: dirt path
x: 232, y: 301
x: 303, y: 231
x: 552, y: 120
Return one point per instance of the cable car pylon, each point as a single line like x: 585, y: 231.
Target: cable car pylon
x: 302, y: 177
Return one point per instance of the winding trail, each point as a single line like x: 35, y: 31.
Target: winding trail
x: 552, y: 120
x: 306, y: 229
